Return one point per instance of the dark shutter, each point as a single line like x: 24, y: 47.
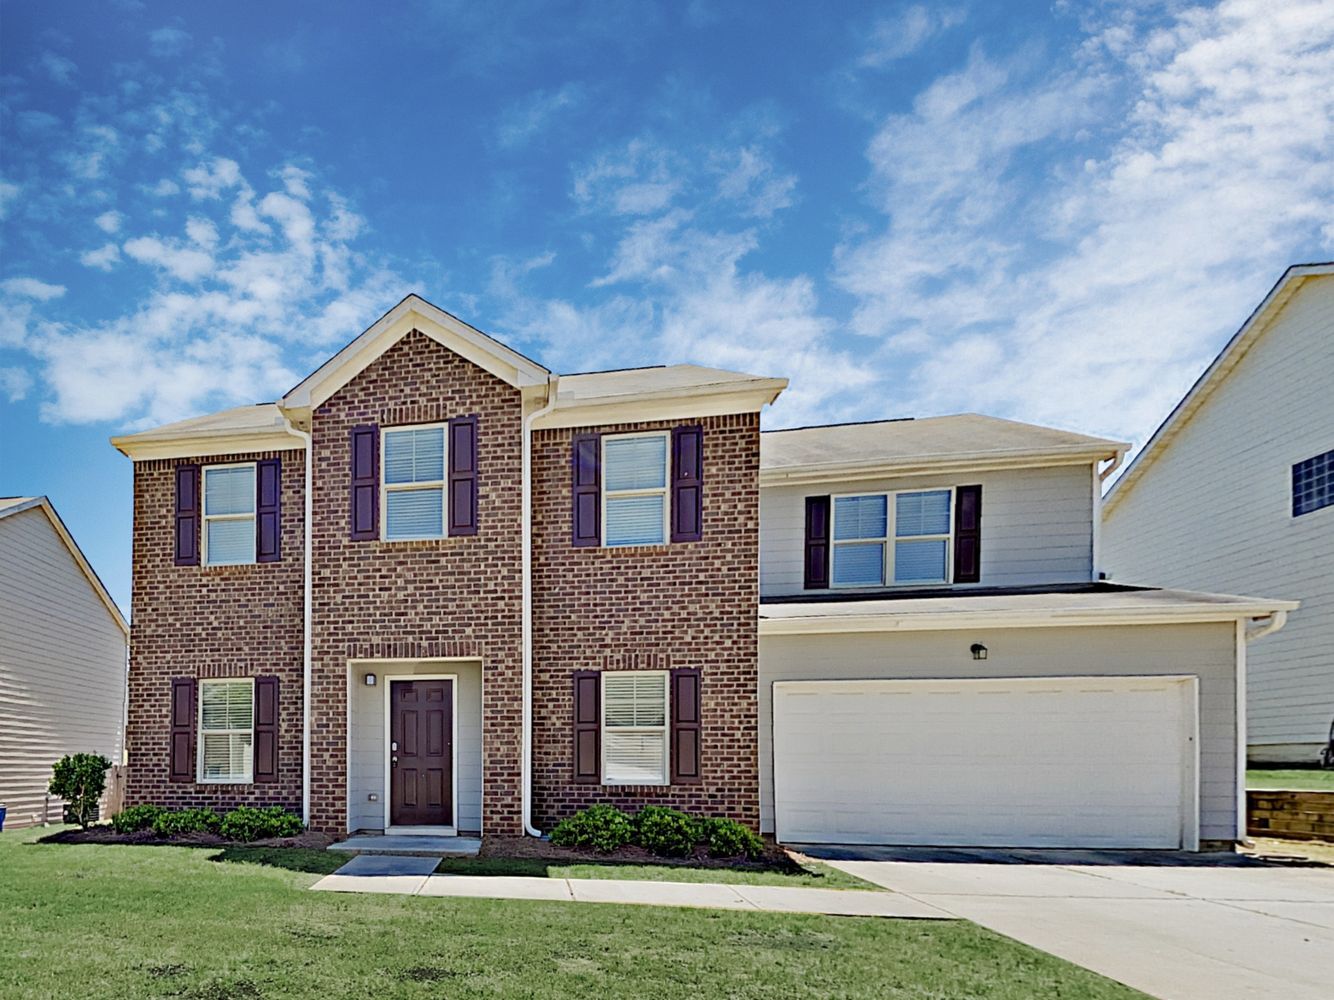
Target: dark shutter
x: 685, y: 726
x: 266, y: 729
x: 587, y: 727
x: 365, y: 483
x: 586, y: 463
x: 187, y: 515
x: 968, y: 534
x: 182, y: 752
x: 817, y: 543
x: 268, y: 510
x: 463, y: 476
x: 687, y: 484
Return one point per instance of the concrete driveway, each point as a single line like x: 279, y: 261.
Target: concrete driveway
x: 1179, y: 927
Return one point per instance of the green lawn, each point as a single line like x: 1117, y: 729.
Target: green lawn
x: 1296, y: 780
x: 236, y: 924
x: 811, y: 875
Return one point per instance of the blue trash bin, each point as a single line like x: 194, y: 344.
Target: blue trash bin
x: 2, y: 817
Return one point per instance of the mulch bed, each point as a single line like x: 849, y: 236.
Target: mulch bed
x: 774, y: 858
x: 108, y: 835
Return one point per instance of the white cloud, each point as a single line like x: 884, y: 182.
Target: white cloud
x: 8, y: 192
x: 104, y: 258
x: 166, y: 42
x: 184, y: 263
x: 905, y: 32
x: 109, y: 222
x: 210, y: 180
x: 165, y: 188
x: 749, y: 178
x: 640, y: 179
x: 31, y: 288
x: 58, y: 67
x: 522, y: 121
x: 15, y: 383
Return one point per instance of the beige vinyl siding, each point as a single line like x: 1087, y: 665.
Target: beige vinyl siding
x: 1214, y: 512
x: 367, y: 751
x: 1206, y: 651
x: 1037, y: 524
x: 62, y: 665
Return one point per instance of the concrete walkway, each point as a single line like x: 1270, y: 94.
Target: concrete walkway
x: 412, y: 876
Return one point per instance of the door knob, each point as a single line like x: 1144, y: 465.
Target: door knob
x: 393, y: 761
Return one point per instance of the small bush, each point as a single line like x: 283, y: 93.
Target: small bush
x: 247, y: 823
x: 174, y: 824
x: 602, y: 828
x: 80, y: 779
x: 729, y: 839
x: 666, y: 832
x: 136, y: 818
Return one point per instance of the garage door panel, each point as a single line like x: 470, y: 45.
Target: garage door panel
x: 1097, y: 763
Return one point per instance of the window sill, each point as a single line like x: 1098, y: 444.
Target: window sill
x: 214, y: 782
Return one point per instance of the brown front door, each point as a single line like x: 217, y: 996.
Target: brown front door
x: 421, y: 753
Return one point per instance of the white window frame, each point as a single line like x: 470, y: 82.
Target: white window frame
x: 664, y: 491
x: 887, y: 568
x: 386, y: 488
x: 206, y: 517
x: 665, y: 729
x: 249, y: 778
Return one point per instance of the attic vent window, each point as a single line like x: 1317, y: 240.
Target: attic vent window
x: 1313, y: 484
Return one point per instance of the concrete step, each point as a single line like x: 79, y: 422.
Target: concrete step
x: 410, y: 845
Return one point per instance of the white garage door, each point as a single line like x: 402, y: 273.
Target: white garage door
x: 1055, y: 762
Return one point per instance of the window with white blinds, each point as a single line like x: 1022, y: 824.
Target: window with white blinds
x: 634, y: 728
x: 634, y: 489
x: 226, y: 730
x: 229, y: 514
x: 901, y: 537
x: 413, y: 466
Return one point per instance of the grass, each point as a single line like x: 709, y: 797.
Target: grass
x: 237, y: 924
x: 1296, y: 780
x: 810, y: 875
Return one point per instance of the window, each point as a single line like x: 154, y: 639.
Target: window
x: 229, y: 514
x: 1313, y: 484
x: 226, y: 730
x: 900, y: 537
x: 634, y: 489
x: 634, y: 728
x: 414, y: 483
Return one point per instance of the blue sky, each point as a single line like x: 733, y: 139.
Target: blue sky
x: 1052, y: 212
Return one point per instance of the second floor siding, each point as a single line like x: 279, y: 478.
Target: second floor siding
x: 1037, y: 524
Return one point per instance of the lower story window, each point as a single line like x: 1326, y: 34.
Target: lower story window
x: 634, y: 728
x: 226, y: 730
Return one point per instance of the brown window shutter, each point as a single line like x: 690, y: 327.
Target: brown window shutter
x: 587, y: 727
x: 266, y: 729
x: 182, y: 710
x: 586, y: 466
x: 687, y: 484
x: 187, y: 515
x: 967, y: 534
x: 462, y: 476
x: 365, y: 483
x: 268, y: 510
x: 817, y: 543
x: 686, y: 726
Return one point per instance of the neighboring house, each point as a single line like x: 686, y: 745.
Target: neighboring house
x: 62, y: 658
x: 438, y: 588
x: 1236, y: 491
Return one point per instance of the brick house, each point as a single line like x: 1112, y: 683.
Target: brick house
x: 438, y: 588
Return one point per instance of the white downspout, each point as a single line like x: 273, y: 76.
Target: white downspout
x: 526, y: 749
x: 306, y: 620
x: 1268, y: 625
x: 1247, y: 633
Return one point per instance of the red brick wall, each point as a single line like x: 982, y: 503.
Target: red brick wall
x: 203, y: 621
x: 452, y: 597
x: 687, y: 604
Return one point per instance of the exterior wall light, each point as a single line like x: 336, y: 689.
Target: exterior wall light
x: 369, y: 680
x: 979, y: 651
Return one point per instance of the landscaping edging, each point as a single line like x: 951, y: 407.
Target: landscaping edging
x: 1299, y: 815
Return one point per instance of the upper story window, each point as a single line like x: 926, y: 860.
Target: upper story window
x: 414, y: 483
x: 229, y: 514
x: 226, y: 730
x: 634, y: 728
x: 634, y: 489
x: 1313, y: 484
x: 900, y: 538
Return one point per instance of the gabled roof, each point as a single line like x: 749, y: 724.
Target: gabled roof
x: 10, y: 506
x: 1232, y: 354
x: 898, y: 447
x: 414, y: 312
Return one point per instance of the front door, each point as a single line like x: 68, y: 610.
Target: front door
x: 421, y: 753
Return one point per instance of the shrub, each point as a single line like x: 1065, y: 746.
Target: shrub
x: 729, y: 839
x: 80, y: 779
x: 136, y: 818
x: 601, y: 827
x: 248, y: 823
x: 666, y: 832
x: 174, y: 824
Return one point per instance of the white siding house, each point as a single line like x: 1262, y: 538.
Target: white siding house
x: 1209, y: 504
x: 63, y: 646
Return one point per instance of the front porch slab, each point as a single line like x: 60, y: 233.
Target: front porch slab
x: 410, y: 846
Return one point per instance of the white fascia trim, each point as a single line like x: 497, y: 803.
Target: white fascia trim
x: 677, y: 405
x: 935, y: 465
x: 207, y: 445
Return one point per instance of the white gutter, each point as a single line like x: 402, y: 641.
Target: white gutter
x: 1261, y: 627
x: 1117, y: 459
x: 305, y: 619
x: 526, y: 750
